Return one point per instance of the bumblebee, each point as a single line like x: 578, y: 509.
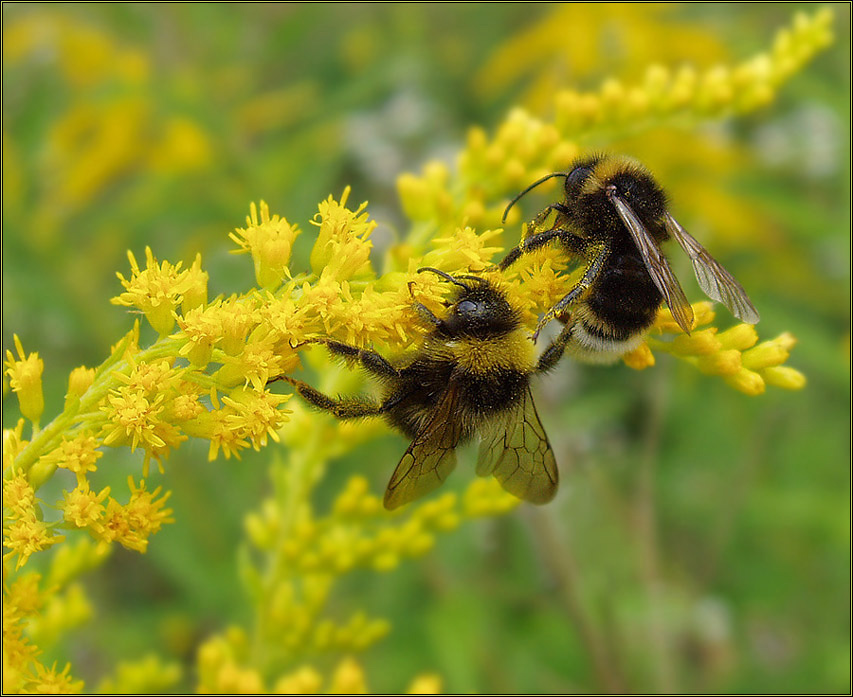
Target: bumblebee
x: 470, y: 377
x: 614, y: 217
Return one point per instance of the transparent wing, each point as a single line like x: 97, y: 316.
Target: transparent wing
x: 657, y: 266
x: 430, y: 458
x: 717, y: 283
x: 515, y: 449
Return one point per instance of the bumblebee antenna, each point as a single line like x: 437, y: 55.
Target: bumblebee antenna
x: 532, y: 186
x: 446, y: 276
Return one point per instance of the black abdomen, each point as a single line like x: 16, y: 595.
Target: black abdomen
x: 626, y: 299
x: 425, y: 383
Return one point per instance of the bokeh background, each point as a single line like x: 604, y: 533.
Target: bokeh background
x: 702, y: 538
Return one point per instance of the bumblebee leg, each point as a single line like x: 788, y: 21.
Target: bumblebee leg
x: 583, y: 285
x: 427, y: 315
x: 554, y: 352
x: 342, y: 407
x: 371, y: 361
x: 569, y: 239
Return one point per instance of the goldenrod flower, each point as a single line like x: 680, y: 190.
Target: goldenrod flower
x: 731, y: 354
x: 49, y: 682
x: 157, y: 290
x: 255, y: 415
x: 25, y: 380
x: 27, y: 535
x: 145, y: 512
x: 78, y: 454
x: 13, y: 444
x: 131, y: 525
x: 236, y: 317
x: 342, y: 249
x: 304, y: 681
x: 195, y: 286
x: 84, y: 508
x: 133, y: 419
x: 18, y: 495
x: 200, y: 331
x: 79, y: 381
x: 427, y: 684
x: 464, y: 250
x: 269, y: 240
x: 146, y: 675
x: 348, y: 679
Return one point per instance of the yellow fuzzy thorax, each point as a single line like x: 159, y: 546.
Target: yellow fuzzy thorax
x: 608, y: 167
x: 512, y: 351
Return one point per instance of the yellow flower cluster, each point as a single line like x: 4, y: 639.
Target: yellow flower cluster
x: 159, y: 289
x: 146, y: 675
x: 269, y: 241
x: 360, y: 533
x: 222, y: 669
x: 36, y: 611
x: 731, y: 354
x: 525, y: 148
x: 690, y: 94
x: 25, y: 380
x: 97, y: 140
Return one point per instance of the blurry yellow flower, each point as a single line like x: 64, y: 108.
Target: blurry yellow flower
x: 84, y: 508
x: 146, y: 675
x: 18, y: 495
x: 731, y: 354
x: 485, y: 497
x: 78, y: 454
x: 428, y: 684
x: 49, y: 682
x: 27, y: 535
x: 348, y: 679
x: 463, y: 251
x: 79, y: 381
x: 304, y: 681
x: 25, y: 380
x: 182, y: 145
x: 13, y: 444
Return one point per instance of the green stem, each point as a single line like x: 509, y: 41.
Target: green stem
x: 81, y: 409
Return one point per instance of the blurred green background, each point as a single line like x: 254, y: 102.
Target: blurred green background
x: 702, y: 538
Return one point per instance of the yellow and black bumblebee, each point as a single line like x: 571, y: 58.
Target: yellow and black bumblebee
x: 470, y: 377
x: 614, y: 217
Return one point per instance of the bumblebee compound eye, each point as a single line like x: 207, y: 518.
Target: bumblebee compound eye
x: 468, y: 307
x: 577, y: 177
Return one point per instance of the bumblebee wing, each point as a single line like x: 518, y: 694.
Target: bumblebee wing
x: 657, y: 266
x: 717, y: 283
x: 430, y: 458
x: 515, y: 449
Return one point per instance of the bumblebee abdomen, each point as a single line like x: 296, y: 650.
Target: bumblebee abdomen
x: 614, y: 319
x: 482, y: 395
x: 625, y: 300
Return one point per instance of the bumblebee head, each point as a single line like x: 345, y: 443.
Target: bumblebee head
x: 590, y: 184
x: 478, y: 309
